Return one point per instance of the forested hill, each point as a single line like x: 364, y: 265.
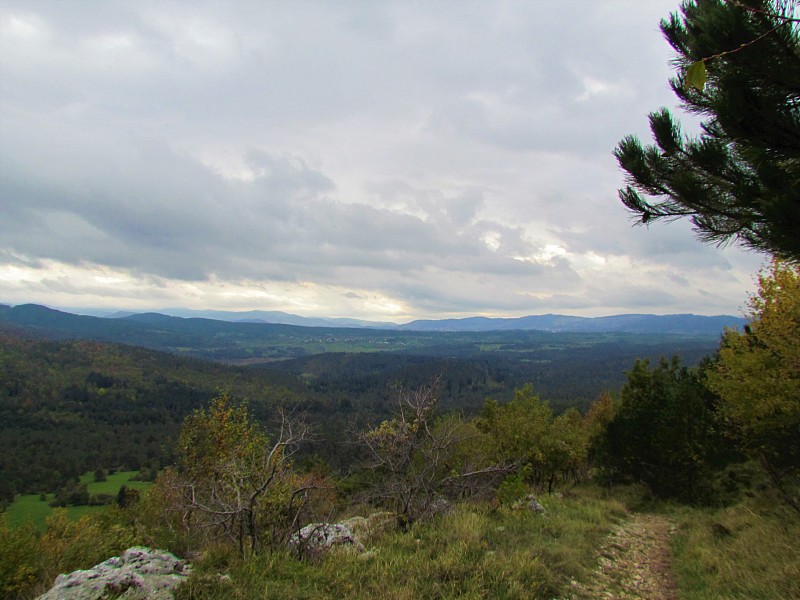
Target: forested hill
x: 71, y: 406
x: 68, y: 406
x: 205, y: 338
x: 260, y: 342
x: 626, y: 323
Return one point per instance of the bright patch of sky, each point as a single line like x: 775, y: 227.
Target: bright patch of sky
x: 380, y: 160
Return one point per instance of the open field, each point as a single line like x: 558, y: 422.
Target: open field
x: 32, y: 508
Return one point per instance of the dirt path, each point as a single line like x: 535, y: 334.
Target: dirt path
x: 633, y: 563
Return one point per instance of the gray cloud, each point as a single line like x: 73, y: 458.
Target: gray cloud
x: 447, y: 158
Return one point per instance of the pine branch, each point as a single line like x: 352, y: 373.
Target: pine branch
x: 745, y: 44
x: 761, y: 11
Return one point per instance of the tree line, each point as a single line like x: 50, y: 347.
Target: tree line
x: 684, y: 432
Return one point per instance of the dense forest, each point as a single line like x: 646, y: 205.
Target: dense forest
x: 70, y: 406
x: 238, y: 477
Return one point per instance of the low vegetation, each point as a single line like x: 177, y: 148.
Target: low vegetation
x: 745, y: 550
x: 35, y: 508
x: 476, y: 551
x: 677, y: 441
x: 30, y: 561
x: 479, y: 550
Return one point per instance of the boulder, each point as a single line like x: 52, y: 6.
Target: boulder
x: 140, y: 573
x: 351, y: 533
x: 315, y: 538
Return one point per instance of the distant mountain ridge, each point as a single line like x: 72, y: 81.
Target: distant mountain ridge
x: 266, y: 316
x: 633, y: 323
x: 686, y: 324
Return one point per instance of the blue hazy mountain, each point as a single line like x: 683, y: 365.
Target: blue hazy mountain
x: 263, y: 316
x: 688, y: 324
x: 629, y: 323
x: 681, y: 324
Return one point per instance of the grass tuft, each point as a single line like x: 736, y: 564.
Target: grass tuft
x: 746, y: 551
x: 473, y: 552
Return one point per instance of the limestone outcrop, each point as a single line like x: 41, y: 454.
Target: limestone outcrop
x: 140, y: 573
x: 352, y: 534
x: 315, y: 538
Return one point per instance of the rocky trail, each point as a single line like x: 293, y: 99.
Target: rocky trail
x: 633, y: 563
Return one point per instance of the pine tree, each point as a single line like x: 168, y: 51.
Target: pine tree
x: 664, y: 432
x: 738, y: 65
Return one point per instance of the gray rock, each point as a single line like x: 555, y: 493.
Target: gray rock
x: 320, y: 537
x: 140, y: 573
x: 440, y: 506
x: 530, y: 502
x: 533, y: 504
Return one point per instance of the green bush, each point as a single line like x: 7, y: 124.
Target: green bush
x: 20, y: 564
x: 513, y: 487
x: 30, y: 561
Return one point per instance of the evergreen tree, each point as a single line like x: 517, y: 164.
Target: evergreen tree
x: 664, y: 431
x: 738, y: 69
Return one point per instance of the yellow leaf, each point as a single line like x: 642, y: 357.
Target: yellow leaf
x: 695, y: 76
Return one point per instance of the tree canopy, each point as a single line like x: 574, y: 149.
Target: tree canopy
x: 738, y: 68
x: 663, y: 433
x: 235, y: 481
x: 757, y: 376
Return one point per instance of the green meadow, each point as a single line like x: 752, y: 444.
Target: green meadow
x: 32, y: 508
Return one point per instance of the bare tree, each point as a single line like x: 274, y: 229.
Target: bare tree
x: 420, y: 460
x: 235, y: 481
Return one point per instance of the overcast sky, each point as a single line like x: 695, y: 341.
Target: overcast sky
x: 368, y: 159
